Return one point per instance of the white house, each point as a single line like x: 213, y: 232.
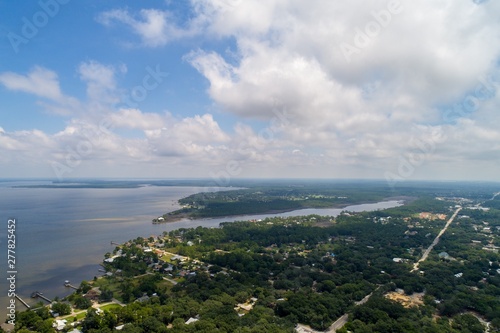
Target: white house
x: 59, y: 324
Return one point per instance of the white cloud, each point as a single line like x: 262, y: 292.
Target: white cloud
x: 100, y: 79
x: 135, y: 119
x: 40, y: 81
x: 317, y: 112
x: 369, y: 109
x: 154, y: 27
x: 43, y: 83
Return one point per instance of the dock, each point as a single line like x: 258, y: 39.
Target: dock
x: 38, y: 294
x: 69, y: 285
x: 114, y: 243
x: 22, y: 301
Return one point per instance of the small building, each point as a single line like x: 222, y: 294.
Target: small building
x: 75, y: 330
x: 92, y: 294
x: 444, y: 255
x: 142, y: 299
x: 59, y: 325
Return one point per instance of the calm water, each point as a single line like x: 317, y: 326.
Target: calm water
x: 62, y: 234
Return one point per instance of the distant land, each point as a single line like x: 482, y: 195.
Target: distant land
x: 237, y: 197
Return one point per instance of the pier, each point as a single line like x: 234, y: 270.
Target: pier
x: 69, y: 285
x: 38, y: 294
x: 22, y: 301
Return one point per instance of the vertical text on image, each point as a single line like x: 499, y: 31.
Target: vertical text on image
x: 11, y: 270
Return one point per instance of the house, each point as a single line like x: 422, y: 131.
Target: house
x: 444, y: 255
x: 74, y: 330
x: 144, y: 298
x: 191, y: 320
x: 92, y: 294
x: 459, y: 275
x: 59, y: 324
x: 398, y: 260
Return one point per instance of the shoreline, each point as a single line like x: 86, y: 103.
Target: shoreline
x: 187, y: 217
x: 100, y: 265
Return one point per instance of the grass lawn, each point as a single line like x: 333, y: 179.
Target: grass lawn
x: 79, y: 316
x: 108, y: 283
x: 166, y: 258
x: 110, y: 306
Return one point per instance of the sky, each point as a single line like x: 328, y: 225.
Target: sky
x: 222, y: 89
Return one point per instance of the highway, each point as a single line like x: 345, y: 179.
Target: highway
x: 436, y: 240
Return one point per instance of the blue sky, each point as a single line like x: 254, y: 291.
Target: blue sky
x: 265, y: 88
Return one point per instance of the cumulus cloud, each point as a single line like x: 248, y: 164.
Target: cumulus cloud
x: 43, y: 83
x: 100, y: 80
x: 365, y: 107
x: 135, y: 119
x: 154, y: 27
x: 339, y: 89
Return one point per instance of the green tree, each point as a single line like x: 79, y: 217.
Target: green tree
x: 106, y: 295
x: 82, y: 302
x: 61, y: 308
x: 467, y: 323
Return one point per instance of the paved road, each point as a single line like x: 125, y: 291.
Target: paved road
x: 170, y: 280
x: 436, y: 240
x: 338, y: 324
